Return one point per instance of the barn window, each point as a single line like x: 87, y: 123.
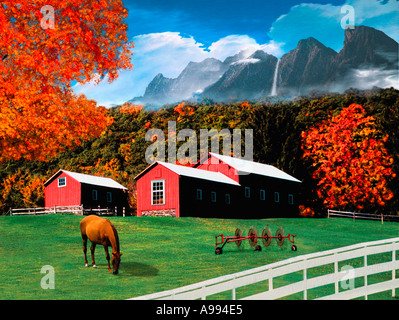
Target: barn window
x: 290, y: 199
x: 199, y: 194
x: 247, y: 192
x: 94, y: 195
x: 62, y: 182
x: 109, y: 197
x: 262, y: 195
x: 158, y: 192
x: 213, y: 196
x: 227, y: 198
x: 277, y: 197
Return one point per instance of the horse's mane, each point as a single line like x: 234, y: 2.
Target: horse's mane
x: 115, y: 235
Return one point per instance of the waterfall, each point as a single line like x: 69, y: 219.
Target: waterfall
x: 274, y: 87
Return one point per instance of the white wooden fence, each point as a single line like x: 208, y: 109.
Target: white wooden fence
x: 78, y: 210
x: 302, y: 264
x: 360, y: 215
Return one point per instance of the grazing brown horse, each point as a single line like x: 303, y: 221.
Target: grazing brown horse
x: 101, y: 231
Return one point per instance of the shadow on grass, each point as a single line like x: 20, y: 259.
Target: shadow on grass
x: 132, y: 269
x: 136, y: 269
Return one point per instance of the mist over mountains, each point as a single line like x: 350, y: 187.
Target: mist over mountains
x: 368, y: 58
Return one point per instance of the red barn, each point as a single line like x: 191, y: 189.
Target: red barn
x: 67, y: 188
x: 217, y: 186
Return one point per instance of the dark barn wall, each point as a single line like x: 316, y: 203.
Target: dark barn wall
x: 240, y: 206
x: 119, y: 198
x: 269, y: 208
x: 190, y: 206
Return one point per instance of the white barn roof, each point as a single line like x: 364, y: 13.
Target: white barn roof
x: 89, y: 179
x: 198, y: 173
x: 242, y: 165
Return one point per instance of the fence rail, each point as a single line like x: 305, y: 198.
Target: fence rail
x: 78, y: 210
x: 302, y: 264
x: 360, y: 215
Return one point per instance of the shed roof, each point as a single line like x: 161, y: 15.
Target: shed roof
x: 242, y: 165
x: 192, y: 173
x: 199, y: 173
x: 89, y: 179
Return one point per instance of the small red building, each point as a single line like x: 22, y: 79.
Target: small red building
x: 217, y: 186
x: 67, y: 188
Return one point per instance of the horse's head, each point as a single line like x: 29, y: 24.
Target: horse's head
x: 116, y: 260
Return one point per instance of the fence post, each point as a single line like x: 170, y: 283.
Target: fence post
x: 328, y: 213
x: 233, y: 292
x: 123, y: 211
x: 336, y: 272
x: 393, y: 270
x: 270, y: 281
x: 305, y: 280
x: 365, y: 276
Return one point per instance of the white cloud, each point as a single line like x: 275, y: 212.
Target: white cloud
x: 167, y: 53
x: 367, y: 9
x: 321, y: 21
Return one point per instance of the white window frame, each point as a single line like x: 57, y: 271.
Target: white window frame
x: 64, y: 185
x: 163, y: 192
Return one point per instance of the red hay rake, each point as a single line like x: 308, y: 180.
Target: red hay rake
x: 253, y: 238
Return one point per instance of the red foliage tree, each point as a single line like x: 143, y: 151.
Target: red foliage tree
x: 351, y: 163
x: 39, y: 113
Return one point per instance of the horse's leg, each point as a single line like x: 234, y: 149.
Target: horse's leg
x: 107, y: 256
x: 92, y: 248
x: 84, y: 237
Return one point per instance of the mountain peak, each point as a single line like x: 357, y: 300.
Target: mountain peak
x: 310, y: 42
x: 260, y: 54
x: 365, y: 33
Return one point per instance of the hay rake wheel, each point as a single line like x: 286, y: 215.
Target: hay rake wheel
x: 280, y: 239
x: 253, y: 239
x: 238, y: 234
x: 266, y: 237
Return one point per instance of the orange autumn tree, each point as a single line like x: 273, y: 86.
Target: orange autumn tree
x: 39, y: 113
x: 352, y: 166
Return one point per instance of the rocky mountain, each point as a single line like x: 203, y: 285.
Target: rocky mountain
x: 368, y: 58
x: 305, y: 67
x: 248, y: 78
x: 367, y: 52
x: 192, y: 80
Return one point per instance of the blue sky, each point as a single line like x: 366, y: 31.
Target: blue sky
x: 170, y: 33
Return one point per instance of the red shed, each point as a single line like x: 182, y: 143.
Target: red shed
x: 162, y: 189
x: 67, y: 188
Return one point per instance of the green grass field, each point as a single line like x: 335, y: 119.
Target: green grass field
x: 159, y: 253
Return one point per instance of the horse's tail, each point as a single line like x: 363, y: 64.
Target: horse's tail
x: 83, y: 228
